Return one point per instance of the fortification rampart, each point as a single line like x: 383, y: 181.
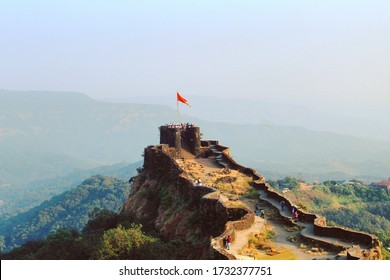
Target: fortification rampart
x: 158, y: 161
x: 217, y: 217
x: 319, y: 222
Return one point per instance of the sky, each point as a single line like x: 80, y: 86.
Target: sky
x: 331, y: 51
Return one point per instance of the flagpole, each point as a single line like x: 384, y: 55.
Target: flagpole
x: 178, y: 112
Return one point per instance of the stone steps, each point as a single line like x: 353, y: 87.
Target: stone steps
x: 308, y: 228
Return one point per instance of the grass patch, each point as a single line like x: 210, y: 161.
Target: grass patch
x: 260, y: 247
x: 252, y: 194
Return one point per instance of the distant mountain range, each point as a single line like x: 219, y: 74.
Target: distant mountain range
x: 348, y: 118
x: 47, y: 134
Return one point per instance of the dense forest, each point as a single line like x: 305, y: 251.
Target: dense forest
x: 16, y: 199
x: 68, y: 210
x: 350, y: 204
x: 108, y: 235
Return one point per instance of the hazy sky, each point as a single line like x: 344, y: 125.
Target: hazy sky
x: 325, y: 50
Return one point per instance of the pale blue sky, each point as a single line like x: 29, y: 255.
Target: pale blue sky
x: 295, y: 50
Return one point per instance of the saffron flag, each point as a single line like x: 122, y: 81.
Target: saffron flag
x: 182, y: 99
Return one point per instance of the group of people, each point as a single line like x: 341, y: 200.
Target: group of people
x: 179, y: 125
x: 198, y: 182
x: 295, y: 213
x: 226, y: 241
x: 294, y: 210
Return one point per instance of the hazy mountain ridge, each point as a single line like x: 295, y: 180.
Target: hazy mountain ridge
x: 98, y: 133
x: 361, y: 120
x: 296, y: 150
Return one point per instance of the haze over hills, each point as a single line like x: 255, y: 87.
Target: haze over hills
x: 53, y: 132
x: 44, y: 135
x: 50, y: 141
x: 367, y: 120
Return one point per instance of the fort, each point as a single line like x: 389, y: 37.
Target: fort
x: 215, y: 211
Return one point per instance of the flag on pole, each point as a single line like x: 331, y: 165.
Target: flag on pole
x: 182, y: 99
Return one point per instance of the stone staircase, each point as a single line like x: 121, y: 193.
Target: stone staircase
x: 219, y: 157
x: 308, y: 228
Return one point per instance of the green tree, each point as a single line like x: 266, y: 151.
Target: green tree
x: 122, y: 243
x: 63, y: 244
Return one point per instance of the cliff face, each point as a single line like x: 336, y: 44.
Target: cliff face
x: 163, y: 198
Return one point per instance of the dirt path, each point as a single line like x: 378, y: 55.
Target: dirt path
x: 242, y: 238
x: 282, y: 236
x: 210, y: 172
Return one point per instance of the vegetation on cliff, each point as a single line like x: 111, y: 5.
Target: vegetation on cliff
x: 108, y: 235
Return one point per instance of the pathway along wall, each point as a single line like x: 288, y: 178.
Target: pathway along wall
x: 319, y: 222
x: 219, y: 220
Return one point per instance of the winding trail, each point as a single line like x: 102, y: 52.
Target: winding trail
x: 207, y: 168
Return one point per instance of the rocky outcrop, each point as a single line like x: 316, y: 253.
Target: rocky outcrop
x: 163, y: 198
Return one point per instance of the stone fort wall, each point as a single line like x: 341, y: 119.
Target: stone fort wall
x: 319, y: 222
x: 219, y: 219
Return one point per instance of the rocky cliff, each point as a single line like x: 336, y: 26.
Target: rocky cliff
x: 163, y: 198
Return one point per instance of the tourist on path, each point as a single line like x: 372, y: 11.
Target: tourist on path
x: 228, y: 241
x: 296, y: 215
x: 282, y: 203
x: 262, y: 213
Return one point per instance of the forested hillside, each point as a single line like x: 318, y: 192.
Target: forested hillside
x: 107, y: 236
x: 16, y: 199
x: 345, y: 203
x: 71, y: 209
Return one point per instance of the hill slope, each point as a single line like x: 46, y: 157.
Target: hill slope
x: 350, y: 204
x: 18, y: 199
x: 70, y: 209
